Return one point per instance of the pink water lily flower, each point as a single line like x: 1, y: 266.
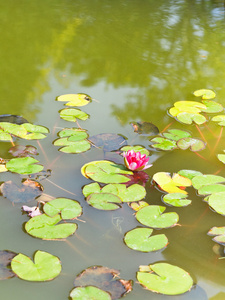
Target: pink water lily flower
x: 32, y: 211
x: 135, y: 161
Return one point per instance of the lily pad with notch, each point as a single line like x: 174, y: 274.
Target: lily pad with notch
x: 208, y: 179
x: 217, y: 202
x: 72, y: 114
x: 189, y: 173
x: 69, y: 209
x: 44, y: 268
x: 5, y: 262
x: 165, y: 279
x: 176, y: 199
x: 192, y: 143
x: 141, y: 239
x: 104, y: 201
x: 24, y: 165
x: 205, y: 94
x: 108, y: 141
x: 105, y: 279
x: 211, y: 189
x: 219, y: 233
x: 212, y: 107
x: 176, y: 134
x: 70, y: 146
x: 154, y: 216
x: 74, y: 134
x: 163, y: 144
x: 34, y: 132
x: 75, y: 99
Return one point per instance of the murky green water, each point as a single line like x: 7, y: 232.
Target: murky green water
x: 136, y: 58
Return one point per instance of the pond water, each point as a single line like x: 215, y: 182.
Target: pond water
x: 136, y: 58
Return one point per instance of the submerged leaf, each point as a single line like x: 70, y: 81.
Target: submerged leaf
x: 145, y: 128
x: 5, y: 261
x: 15, y: 119
x: 108, y: 141
x: 165, y: 279
x: 45, y: 266
x: 140, y: 239
x: 23, y: 151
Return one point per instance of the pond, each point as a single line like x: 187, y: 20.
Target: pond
x: 135, y: 59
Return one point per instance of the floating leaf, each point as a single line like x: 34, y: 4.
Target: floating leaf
x: 108, y: 141
x: 154, y: 216
x: 23, y: 151
x: 188, y: 118
x: 211, y: 188
x: 75, y: 99
x: 176, y: 199
x: 72, y: 114
x: 3, y: 168
x: 170, y: 185
x: 217, y: 202
x: 165, y: 279
x: 221, y: 158
x: 89, y: 293
x: 34, y: 132
x: 24, y: 165
x: 5, y: 261
x: 105, y: 279
x: 14, y: 129
x: 44, y: 227
x: 205, y: 93
x: 71, y: 146
x: 193, y: 144
x: 105, y: 171
x: 189, y: 173
x: 45, y: 266
x: 69, y: 209
x: 135, y: 148
x: 27, y: 192
x: 145, y: 128
x: 202, y: 180
x: 75, y: 134
x: 220, y: 234
x: 140, y: 239
x: 176, y: 134
x: 163, y: 144
x: 104, y: 201
x: 212, y: 107
x: 220, y: 119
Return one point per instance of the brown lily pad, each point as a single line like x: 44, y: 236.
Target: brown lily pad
x: 23, y: 151
x: 27, y: 192
x: 108, y: 141
x: 5, y: 261
x: 105, y: 279
x: 145, y: 128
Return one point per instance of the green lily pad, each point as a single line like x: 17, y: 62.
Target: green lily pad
x: 176, y: 134
x: 163, y: 144
x: 205, y: 93
x: 105, y: 172
x: 5, y: 136
x: 5, y: 261
x: 24, y: 165
x: 211, y: 189
x: 69, y: 209
x: 136, y: 148
x: 193, y: 144
x: 74, y: 134
x: 176, y: 199
x: 34, y: 132
x: 212, y: 107
x: 72, y: 114
x: 44, y: 227
x: 76, y: 147
x: 189, y: 118
x: 140, y: 239
x: 154, y: 216
x: 165, y: 279
x: 45, y: 266
x: 103, y: 201
x: 202, y: 180
x: 89, y: 293
x: 12, y: 129
x: 220, y: 119
x: 75, y: 99
x: 217, y: 202
x: 220, y: 234
x: 221, y: 158
x: 189, y: 173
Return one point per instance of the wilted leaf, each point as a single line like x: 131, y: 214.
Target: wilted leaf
x: 108, y: 141
x: 45, y: 266
x: 105, y: 279
x: 205, y: 93
x: 75, y: 99
x: 5, y: 261
x: 140, y: 239
x: 23, y: 151
x: 165, y: 279
x: 27, y: 192
x: 145, y: 128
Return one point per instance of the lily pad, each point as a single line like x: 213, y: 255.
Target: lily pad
x: 189, y: 118
x: 74, y: 134
x: 202, y: 180
x: 34, y: 132
x: 165, y: 279
x: 108, y: 141
x: 23, y: 151
x: 163, y: 144
x: 221, y: 158
x: 138, y: 205
x: 72, y: 114
x: 70, y: 146
x: 5, y: 261
x: 212, y: 107
x: 189, y: 173
x: 176, y: 134
x: 28, y: 191
x: 193, y: 144
x: 69, y: 209
x: 12, y: 129
x: 211, y: 188
x: 104, y: 201
x: 154, y: 216
x: 220, y: 119
x: 171, y: 185
x: 24, y: 165
x: 217, y: 202
x: 89, y: 293
x: 135, y: 148
x: 44, y: 227
x: 205, y: 93
x: 176, y: 199
x: 75, y: 99
x: 45, y: 266
x: 145, y: 128
x: 140, y: 239
x: 220, y: 234
x: 105, y: 172
x: 105, y: 279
